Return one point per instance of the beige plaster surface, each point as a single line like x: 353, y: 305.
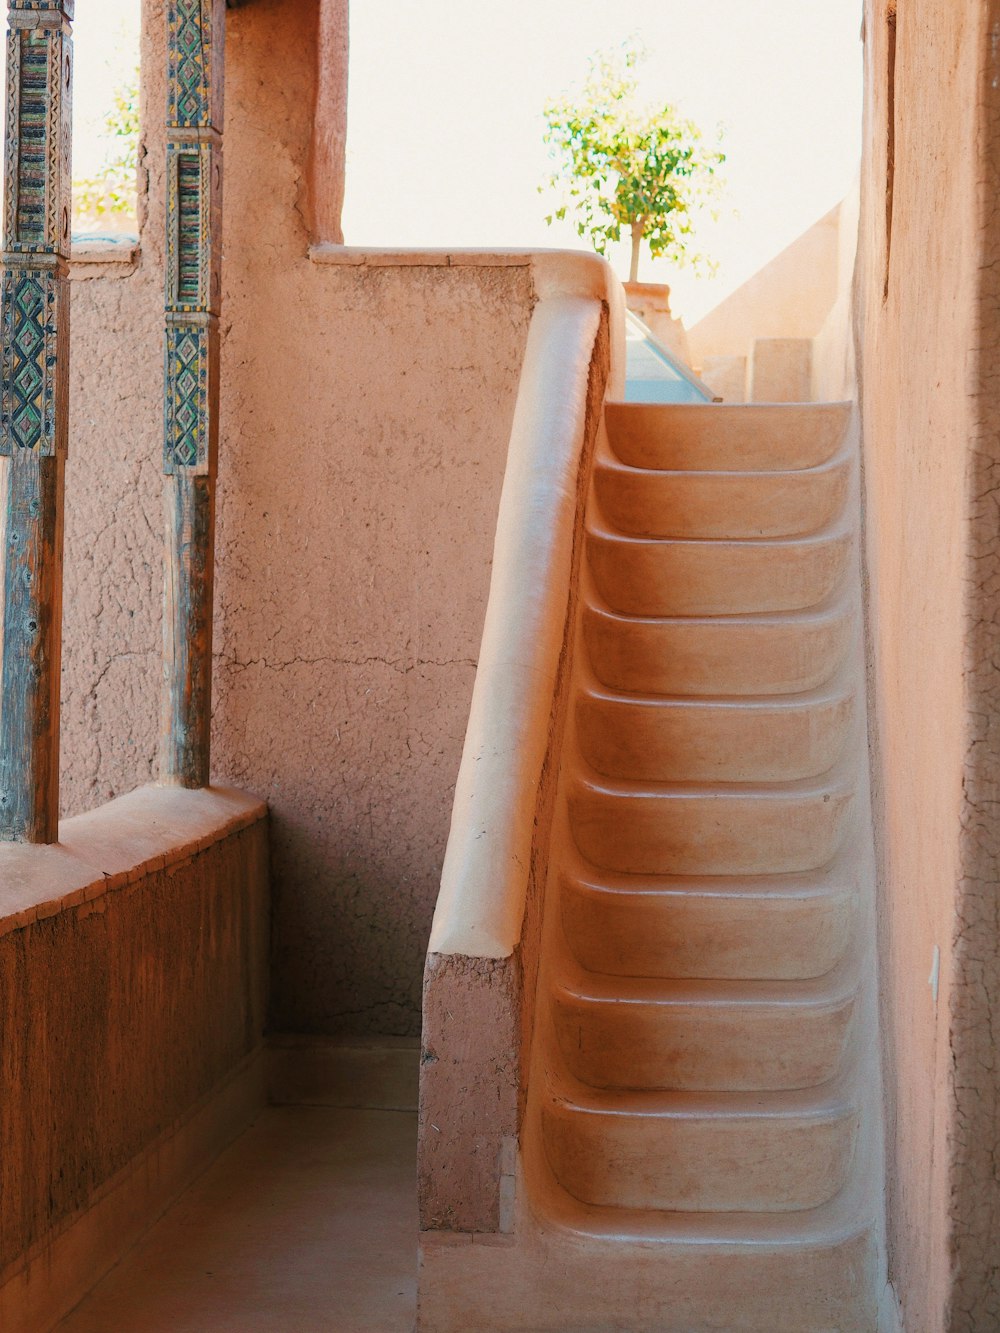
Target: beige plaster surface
x: 927, y: 321
x: 789, y: 297
x: 834, y: 370
x: 974, y: 1188
x: 480, y: 907
x: 781, y: 370
x: 307, y: 1223
x: 366, y: 413
x: 726, y: 376
x: 352, y: 579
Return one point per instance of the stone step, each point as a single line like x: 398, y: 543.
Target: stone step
x: 723, y: 1036
x: 784, y: 927
x: 774, y: 653
x: 660, y: 577
x: 700, y: 1152
x: 701, y: 829
x: 644, y: 503
x: 770, y: 738
x: 714, y: 437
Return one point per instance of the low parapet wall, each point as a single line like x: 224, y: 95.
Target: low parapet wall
x: 483, y: 952
x: 132, y: 976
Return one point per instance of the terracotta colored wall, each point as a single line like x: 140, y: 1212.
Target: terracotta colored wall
x: 126, y: 1004
x: 974, y: 1000
x: 365, y: 420
x: 113, y: 554
x: 928, y: 321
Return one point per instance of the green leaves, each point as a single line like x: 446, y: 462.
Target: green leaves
x: 110, y: 194
x: 619, y: 163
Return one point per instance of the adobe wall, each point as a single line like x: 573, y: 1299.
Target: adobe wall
x: 789, y: 297
x: 928, y: 282
x: 974, y: 1185
x: 365, y: 417
x: 133, y: 964
x: 834, y: 374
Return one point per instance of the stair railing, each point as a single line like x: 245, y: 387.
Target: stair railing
x: 483, y: 951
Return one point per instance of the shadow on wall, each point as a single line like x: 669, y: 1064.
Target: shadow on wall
x: 783, y: 336
x: 365, y: 419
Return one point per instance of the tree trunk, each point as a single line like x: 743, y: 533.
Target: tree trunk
x: 637, y: 230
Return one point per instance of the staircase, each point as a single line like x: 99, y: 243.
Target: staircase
x: 701, y: 1104
x: 700, y: 1145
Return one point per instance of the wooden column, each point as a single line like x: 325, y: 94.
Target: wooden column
x: 196, y: 36
x: 34, y: 376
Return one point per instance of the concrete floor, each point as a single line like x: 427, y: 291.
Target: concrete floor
x: 307, y: 1222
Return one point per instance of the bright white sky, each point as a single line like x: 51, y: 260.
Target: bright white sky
x: 445, y: 126
x: 105, y: 52
x: 445, y: 114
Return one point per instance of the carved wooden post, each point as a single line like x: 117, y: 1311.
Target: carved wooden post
x: 34, y: 374
x: 196, y: 39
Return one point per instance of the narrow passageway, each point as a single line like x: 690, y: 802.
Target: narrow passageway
x: 307, y: 1222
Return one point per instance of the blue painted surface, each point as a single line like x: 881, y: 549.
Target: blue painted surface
x: 652, y: 375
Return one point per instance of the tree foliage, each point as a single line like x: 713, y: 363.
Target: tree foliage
x: 621, y: 164
x: 108, y: 198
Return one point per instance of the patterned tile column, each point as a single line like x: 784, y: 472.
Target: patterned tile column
x: 194, y: 248
x: 34, y: 375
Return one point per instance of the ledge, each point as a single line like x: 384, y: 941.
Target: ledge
x: 106, y: 849
x: 357, y: 256
x: 103, y: 257
x: 553, y: 273
x: 484, y: 880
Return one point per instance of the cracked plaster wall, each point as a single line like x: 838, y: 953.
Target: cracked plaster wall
x: 929, y: 323
x: 365, y: 417
x: 114, y: 525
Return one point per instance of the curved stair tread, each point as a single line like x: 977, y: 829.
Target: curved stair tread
x: 697, y: 1034
x: 747, y: 653
x: 722, y: 504
x: 665, y: 576
x: 661, y: 737
x: 790, y: 926
x: 710, y: 436
x: 723, y: 1151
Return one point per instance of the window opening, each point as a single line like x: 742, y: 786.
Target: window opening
x: 106, y: 119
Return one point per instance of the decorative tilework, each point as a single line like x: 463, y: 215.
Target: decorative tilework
x: 33, y: 394
x: 28, y: 303
x: 34, y: 403
x: 36, y: 227
x: 196, y: 34
x: 34, y: 133
x: 194, y: 184
x: 189, y: 70
x: 187, y: 403
x: 192, y: 209
x: 36, y: 177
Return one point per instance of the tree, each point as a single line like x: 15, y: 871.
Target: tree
x: 109, y: 196
x: 621, y: 164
